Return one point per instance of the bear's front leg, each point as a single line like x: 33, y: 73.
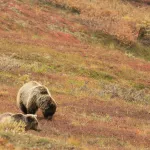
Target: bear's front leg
x: 32, y: 107
x: 31, y: 111
x: 23, y: 108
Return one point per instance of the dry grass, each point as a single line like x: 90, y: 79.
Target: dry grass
x: 112, y: 24
x: 15, y: 127
x: 13, y: 141
x: 113, y: 17
x: 8, y: 63
x: 75, y: 75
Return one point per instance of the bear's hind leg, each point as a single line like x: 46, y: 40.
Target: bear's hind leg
x: 23, y: 108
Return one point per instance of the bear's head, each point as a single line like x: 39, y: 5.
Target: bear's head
x: 31, y: 122
x: 48, y: 107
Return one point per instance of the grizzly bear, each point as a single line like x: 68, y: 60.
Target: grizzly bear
x: 29, y: 120
x: 32, y: 96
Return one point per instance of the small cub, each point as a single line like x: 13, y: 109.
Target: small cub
x: 30, y: 120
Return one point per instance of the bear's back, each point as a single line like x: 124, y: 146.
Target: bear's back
x: 36, y: 93
x: 28, y: 86
x: 41, y: 89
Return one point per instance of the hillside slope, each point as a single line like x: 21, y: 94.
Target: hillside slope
x: 102, y: 88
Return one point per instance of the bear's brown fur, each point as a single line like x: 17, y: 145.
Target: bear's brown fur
x: 32, y: 96
x: 29, y: 120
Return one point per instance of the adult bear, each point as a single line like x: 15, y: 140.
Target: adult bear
x: 32, y: 96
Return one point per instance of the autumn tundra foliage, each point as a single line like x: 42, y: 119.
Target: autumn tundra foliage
x: 91, y: 56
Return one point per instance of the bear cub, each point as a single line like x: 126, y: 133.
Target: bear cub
x: 29, y: 120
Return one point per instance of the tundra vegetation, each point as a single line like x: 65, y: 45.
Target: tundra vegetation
x: 89, y: 55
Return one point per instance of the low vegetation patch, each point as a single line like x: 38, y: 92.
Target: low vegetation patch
x: 28, y: 141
